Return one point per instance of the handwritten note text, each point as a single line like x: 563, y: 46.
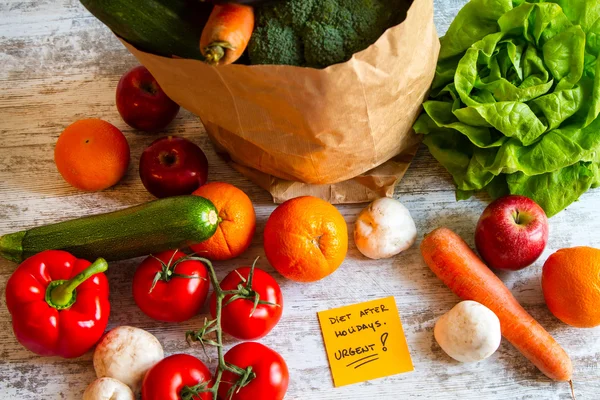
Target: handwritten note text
x: 365, y: 341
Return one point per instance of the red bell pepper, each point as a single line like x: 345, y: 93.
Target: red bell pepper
x: 59, y: 304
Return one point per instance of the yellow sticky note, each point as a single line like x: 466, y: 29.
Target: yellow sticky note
x: 365, y: 341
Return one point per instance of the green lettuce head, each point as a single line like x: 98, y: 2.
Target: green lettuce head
x: 515, y: 101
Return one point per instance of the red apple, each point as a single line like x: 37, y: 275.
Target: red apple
x: 511, y: 233
x: 173, y: 166
x: 142, y: 103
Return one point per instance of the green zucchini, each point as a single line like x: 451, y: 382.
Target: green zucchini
x: 159, y: 225
x: 163, y: 27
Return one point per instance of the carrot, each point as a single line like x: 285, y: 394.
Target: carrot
x: 453, y: 261
x: 227, y: 33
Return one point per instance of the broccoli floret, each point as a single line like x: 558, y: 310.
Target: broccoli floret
x: 276, y: 44
x: 294, y: 13
x: 319, y: 33
x: 323, y: 45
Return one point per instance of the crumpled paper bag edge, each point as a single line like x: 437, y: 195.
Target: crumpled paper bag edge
x: 364, y: 188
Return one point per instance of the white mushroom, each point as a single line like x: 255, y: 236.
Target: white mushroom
x: 469, y: 332
x: 126, y: 354
x: 384, y: 229
x: 108, y: 389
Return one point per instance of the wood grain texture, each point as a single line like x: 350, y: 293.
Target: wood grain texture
x: 59, y: 64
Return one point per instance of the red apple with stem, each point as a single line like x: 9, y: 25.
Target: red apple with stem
x: 511, y: 233
x: 173, y: 166
x: 142, y: 103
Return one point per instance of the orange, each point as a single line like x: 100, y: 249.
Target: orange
x: 92, y: 154
x: 306, y: 239
x: 571, y: 285
x: 237, y: 222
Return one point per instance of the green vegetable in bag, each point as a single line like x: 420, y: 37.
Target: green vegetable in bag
x: 515, y: 102
x: 319, y: 33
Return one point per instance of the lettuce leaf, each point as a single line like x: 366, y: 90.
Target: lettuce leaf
x: 554, y: 191
x: 515, y: 103
x: 473, y: 25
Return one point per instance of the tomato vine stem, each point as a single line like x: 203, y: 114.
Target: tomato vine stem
x: 246, y: 375
x: 167, y: 271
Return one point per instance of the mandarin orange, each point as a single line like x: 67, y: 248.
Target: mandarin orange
x: 92, y: 154
x: 238, y: 222
x: 306, y: 239
x: 571, y: 286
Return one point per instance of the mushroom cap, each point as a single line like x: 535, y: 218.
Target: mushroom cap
x: 469, y: 332
x: 384, y: 229
x: 108, y: 389
x: 126, y: 354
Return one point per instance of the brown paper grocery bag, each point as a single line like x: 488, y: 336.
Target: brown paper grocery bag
x: 342, y: 133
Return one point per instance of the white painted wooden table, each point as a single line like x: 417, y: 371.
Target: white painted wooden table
x: 59, y: 64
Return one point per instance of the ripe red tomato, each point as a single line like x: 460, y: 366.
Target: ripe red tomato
x: 237, y: 318
x: 272, y: 376
x: 169, y: 377
x: 178, y: 294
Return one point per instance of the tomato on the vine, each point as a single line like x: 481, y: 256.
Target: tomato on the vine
x: 271, y: 376
x: 171, y: 286
x: 241, y: 316
x: 176, y: 376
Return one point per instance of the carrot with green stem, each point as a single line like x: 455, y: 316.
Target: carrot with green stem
x: 227, y: 33
x: 453, y: 261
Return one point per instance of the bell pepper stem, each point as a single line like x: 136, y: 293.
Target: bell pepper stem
x: 63, y: 294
